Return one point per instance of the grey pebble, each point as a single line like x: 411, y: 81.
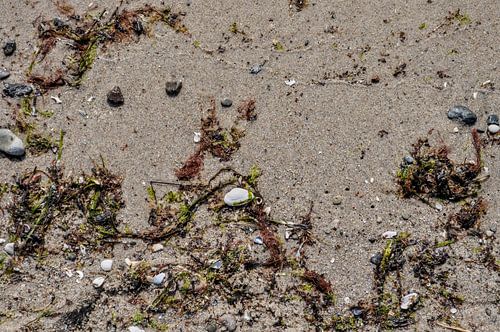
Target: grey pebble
x: 258, y: 240
x: 405, y: 216
x: 9, y: 47
x: 4, y: 73
x: 115, y: 97
x: 255, y: 69
x: 462, y: 114
x: 17, y: 90
x: 337, y: 200
x: 492, y: 120
x: 10, y: 143
x: 408, y: 160
x: 357, y: 311
x: 376, y: 259
x: 173, y: 88
x: 226, y: 102
x: 229, y: 322
x: 212, y: 327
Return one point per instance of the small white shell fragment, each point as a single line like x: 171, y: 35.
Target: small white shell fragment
x: 474, y: 95
x: 97, y: 282
x: 9, y: 248
x: 106, y: 265
x: 131, y: 263
x: 69, y: 273
x: 197, y: 137
x: 493, y: 128
x: 135, y: 329
x: 56, y: 99
x: 80, y: 274
x: 2, y: 241
x: 455, y: 130
x: 238, y: 197
x: 389, y: 234
x: 439, y: 206
x: 267, y: 210
x: 409, y: 301
x: 157, y: 247
x: 453, y: 310
x: 290, y: 82
x: 158, y: 279
x: 258, y: 240
x: 90, y: 98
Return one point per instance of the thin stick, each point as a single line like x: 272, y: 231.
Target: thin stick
x: 454, y: 328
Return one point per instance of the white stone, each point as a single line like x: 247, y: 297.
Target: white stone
x: 455, y: 130
x: 9, y: 248
x: 97, y: 282
x: 10, y: 143
x: 439, y: 206
x: 238, y: 197
x: 197, y: 137
x: 409, y: 301
x: 2, y: 241
x: 135, y: 329
x: 453, y: 310
x: 106, y: 265
x: 157, y: 247
x: 493, y: 128
x: 389, y: 234
x: 290, y: 82
x: 158, y: 279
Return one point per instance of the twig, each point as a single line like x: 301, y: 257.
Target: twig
x: 454, y: 328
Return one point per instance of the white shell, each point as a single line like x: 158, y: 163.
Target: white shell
x: 158, y: 279
x: 493, y: 128
x: 135, y: 329
x: 157, y: 247
x: 238, y: 197
x: 106, y: 265
x: 389, y: 234
x: 409, y: 301
x: 10, y: 143
x: 197, y: 137
x: 9, y: 248
x: 98, y: 282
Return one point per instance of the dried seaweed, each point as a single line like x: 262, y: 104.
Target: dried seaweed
x: 466, y: 218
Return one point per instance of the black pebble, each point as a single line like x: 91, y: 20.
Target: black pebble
x: 492, y: 119
x: 173, y: 88
x: 376, y: 259
x: 9, y: 48
x: 226, y: 102
x: 115, y: 97
x: 17, y: 90
x: 462, y: 114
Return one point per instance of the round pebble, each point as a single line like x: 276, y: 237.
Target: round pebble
x: 226, y: 102
x: 106, y: 265
x: 217, y: 265
x: 212, y: 327
x: 9, y: 248
x: 493, y: 128
x: 98, y: 282
x: 462, y: 114
x: 4, y: 73
x: 453, y: 310
x: 439, y: 206
x: 337, y: 200
x: 11, y: 144
x: 229, y: 322
x: 158, y: 279
x: 115, y: 97
x: 135, y: 329
x: 376, y: 259
x: 157, y: 247
x: 173, y: 88
x: 9, y: 47
x: 408, y: 160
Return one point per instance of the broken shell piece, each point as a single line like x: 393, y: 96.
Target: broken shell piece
x: 389, y: 234
x: 97, y: 282
x: 158, y: 279
x: 216, y: 265
x: 56, y: 99
x: 156, y: 247
x: 238, y: 197
x: 131, y: 263
x: 409, y: 300
x: 290, y: 82
x: 258, y: 240
x: 197, y: 137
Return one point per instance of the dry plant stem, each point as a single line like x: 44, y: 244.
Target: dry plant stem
x: 454, y: 328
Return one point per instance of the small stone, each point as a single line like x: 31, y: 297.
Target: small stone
x: 439, y: 206
x: 9, y: 248
x: 238, y: 197
x: 247, y: 317
x: 408, y: 160
x: 226, y: 102
x: 455, y: 130
x: 489, y: 233
x: 405, y: 216
x: 14, y: 90
x: 337, y: 200
x: 357, y: 311
x: 4, y: 73
x: 135, y: 329
x: 409, y: 300
x: 106, y: 265
x: 255, y: 69
x: 11, y: 144
x: 229, y: 322
x: 98, y: 282
x: 197, y: 137
x: 173, y: 88
x: 493, y: 128
x: 376, y: 259
x: 389, y: 234
x: 258, y: 240
x: 453, y: 310
x: 157, y: 247
x: 462, y: 114
x: 492, y: 119
x: 158, y: 279
x: 212, y: 327
x: 9, y: 47
x: 217, y: 265
x: 290, y: 82
x: 115, y: 97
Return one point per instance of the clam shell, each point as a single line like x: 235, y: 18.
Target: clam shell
x: 238, y: 197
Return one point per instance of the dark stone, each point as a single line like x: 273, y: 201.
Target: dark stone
x: 212, y: 327
x: 9, y: 48
x: 357, y: 311
x: 4, y: 73
x: 173, y: 88
x: 58, y: 23
x: 376, y: 259
x: 492, y: 119
x: 226, y: 102
x: 138, y: 27
x: 17, y: 90
x: 462, y: 114
x: 255, y: 69
x: 115, y: 97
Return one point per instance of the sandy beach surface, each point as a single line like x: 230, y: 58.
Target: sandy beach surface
x: 344, y: 90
